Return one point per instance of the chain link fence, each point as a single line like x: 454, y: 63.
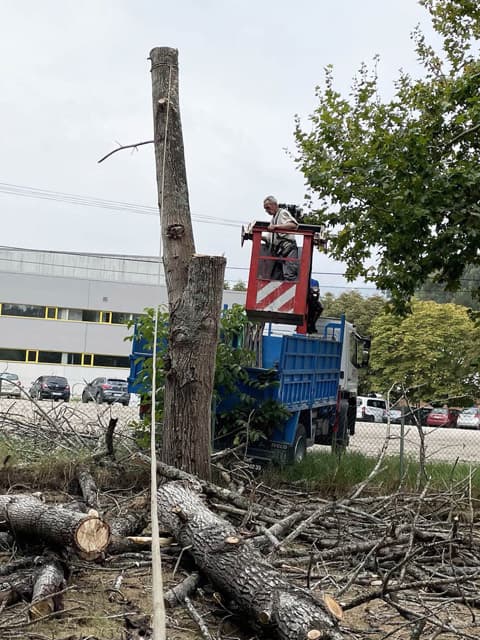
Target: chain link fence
x: 448, y: 444
x: 441, y: 444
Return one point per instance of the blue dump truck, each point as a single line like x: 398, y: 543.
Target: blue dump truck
x: 314, y: 377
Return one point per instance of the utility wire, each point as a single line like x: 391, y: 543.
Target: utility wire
x: 101, y: 203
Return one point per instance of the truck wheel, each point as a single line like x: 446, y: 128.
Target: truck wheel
x: 300, y: 444
x: 341, y: 438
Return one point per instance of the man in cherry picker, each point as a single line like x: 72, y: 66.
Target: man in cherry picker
x: 281, y: 243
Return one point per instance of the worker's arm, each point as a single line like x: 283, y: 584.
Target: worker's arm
x: 286, y: 226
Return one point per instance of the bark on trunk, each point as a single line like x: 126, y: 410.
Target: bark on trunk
x: 194, y: 286
x: 88, y: 488
x: 18, y: 586
x: 240, y: 571
x: 46, y: 598
x: 31, y: 518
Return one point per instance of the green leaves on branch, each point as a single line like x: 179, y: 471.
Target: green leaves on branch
x: 398, y: 181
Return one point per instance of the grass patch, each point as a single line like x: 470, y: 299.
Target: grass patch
x: 334, y: 475
x: 24, y: 467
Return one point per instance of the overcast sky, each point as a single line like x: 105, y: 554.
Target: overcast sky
x: 75, y: 80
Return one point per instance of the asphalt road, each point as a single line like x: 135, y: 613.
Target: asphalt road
x: 449, y: 444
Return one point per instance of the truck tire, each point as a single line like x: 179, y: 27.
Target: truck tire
x: 300, y: 445
x: 341, y: 438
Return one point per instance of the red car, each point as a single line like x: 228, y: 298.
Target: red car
x: 442, y: 418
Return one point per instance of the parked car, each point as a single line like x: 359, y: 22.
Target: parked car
x: 469, y: 418
x: 394, y: 414
x: 10, y: 385
x: 418, y: 414
x: 106, y: 390
x: 442, y: 418
x: 371, y: 409
x: 50, y: 387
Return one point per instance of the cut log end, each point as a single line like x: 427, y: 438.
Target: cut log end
x: 42, y: 608
x: 264, y: 617
x: 92, y: 535
x: 314, y: 634
x: 333, y: 606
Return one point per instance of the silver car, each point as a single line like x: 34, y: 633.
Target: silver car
x: 10, y: 385
x: 469, y: 418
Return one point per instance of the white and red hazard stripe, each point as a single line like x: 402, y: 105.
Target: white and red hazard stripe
x: 276, y: 295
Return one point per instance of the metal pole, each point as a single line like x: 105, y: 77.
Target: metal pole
x: 402, y: 440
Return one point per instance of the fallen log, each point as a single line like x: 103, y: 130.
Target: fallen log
x: 177, y: 594
x: 17, y: 586
x: 88, y: 488
x: 240, y: 571
x: 47, y: 597
x: 29, y: 517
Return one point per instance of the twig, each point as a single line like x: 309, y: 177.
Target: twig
x: 197, y: 618
x: 125, y: 146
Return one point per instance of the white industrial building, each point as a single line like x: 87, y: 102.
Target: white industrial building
x: 65, y: 313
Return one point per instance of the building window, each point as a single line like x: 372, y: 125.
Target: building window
x: 75, y: 314
x: 14, y: 355
x: 32, y: 355
x: 111, y: 361
x: 120, y: 318
x: 50, y: 357
x: 51, y: 313
x: 90, y: 316
x: 74, y: 358
x: 23, y: 310
x: 87, y: 359
x: 106, y: 317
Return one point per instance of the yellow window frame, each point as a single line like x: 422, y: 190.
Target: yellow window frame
x: 55, y: 313
x: 27, y: 356
x: 106, y: 317
x: 87, y: 360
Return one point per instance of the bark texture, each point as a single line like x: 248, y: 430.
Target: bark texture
x: 29, y: 517
x: 46, y: 597
x: 240, y: 571
x: 194, y: 286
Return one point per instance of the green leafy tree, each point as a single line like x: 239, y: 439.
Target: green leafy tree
x: 398, y: 181
x: 433, y: 351
x: 432, y: 290
x: 359, y: 310
x: 239, y: 286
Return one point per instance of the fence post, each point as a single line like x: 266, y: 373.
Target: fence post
x: 402, y: 440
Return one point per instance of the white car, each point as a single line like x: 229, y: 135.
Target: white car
x: 469, y: 418
x: 394, y: 414
x: 10, y: 385
x: 371, y: 409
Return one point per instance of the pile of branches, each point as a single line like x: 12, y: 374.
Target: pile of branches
x: 398, y: 565
x: 282, y: 562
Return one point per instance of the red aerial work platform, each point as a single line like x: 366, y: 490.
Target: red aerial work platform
x: 280, y: 301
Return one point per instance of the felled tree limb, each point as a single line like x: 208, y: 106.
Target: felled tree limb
x: 240, y: 571
x: 88, y: 488
x: 49, y: 583
x: 177, y: 594
x: 29, y: 517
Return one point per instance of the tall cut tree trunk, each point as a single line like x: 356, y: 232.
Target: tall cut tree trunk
x: 194, y: 286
